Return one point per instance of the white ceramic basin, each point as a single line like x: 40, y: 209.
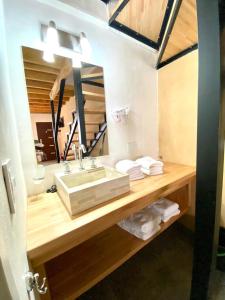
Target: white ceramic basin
x: 85, y: 189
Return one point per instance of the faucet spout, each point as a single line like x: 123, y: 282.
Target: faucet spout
x: 82, y: 149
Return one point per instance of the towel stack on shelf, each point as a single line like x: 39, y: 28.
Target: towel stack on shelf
x: 130, y: 167
x: 166, y: 208
x: 143, y: 224
x: 146, y: 222
x: 150, y: 166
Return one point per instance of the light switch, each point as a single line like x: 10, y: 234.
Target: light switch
x: 10, y: 184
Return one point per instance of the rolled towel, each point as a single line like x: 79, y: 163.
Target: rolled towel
x: 165, y: 208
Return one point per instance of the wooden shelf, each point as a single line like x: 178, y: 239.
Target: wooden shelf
x: 77, y: 252
x: 51, y: 231
x: 74, y: 272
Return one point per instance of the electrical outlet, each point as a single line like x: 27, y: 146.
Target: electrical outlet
x: 10, y: 184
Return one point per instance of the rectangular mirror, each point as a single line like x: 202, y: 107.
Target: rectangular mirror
x: 67, y: 107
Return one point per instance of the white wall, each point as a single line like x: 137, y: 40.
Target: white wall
x: 95, y: 8
x: 13, y: 262
x: 130, y: 78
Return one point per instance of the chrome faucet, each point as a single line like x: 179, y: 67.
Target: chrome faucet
x: 82, y: 149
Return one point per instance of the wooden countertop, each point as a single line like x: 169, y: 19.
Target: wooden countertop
x: 51, y: 231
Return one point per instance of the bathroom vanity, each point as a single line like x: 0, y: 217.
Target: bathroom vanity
x: 75, y: 253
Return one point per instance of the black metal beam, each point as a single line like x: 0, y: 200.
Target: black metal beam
x: 165, y: 21
x: 169, y: 30
x: 117, y: 11
x: 79, y: 106
x: 141, y: 38
x: 177, y: 56
x: 210, y: 150
x: 53, y: 115
x: 61, y: 93
x: 53, y: 130
x: 99, y: 84
x: 70, y: 139
x: 102, y: 129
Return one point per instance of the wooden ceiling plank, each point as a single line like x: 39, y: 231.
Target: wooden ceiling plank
x: 35, y: 102
x: 44, y: 85
x: 92, y: 75
x: 36, y: 56
x: 40, y: 76
x: 44, y: 97
x: 40, y: 68
x: 40, y: 101
x: 45, y: 92
x: 185, y: 32
x: 144, y: 16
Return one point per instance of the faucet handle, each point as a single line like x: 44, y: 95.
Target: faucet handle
x: 93, y: 164
x: 67, y: 169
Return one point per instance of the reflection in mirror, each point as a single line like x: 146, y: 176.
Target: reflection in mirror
x: 67, y: 107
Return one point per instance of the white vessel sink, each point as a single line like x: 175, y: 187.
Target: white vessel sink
x: 85, y: 189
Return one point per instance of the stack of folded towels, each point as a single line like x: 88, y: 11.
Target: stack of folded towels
x: 132, y: 168
x: 143, y: 224
x: 166, y: 208
x: 146, y: 222
x: 150, y: 166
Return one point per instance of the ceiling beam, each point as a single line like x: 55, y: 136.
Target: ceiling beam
x: 44, y: 85
x: 64, y: 73
x: 172, y: 21
x: 40, y: 76
x: 39, y: 92
x: 178, y: 55
x: 43, y: 97
x: 31, y: 101
x: 118, y: 7
x: 40, y: 68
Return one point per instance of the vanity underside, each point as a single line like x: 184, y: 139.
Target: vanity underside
x: 76, y: 253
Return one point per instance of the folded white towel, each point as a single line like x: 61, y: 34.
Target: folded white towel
x: 152, y: 172
x: 143, y: 224
x: 145, y: 220
x: 127, y: 166
x: 165, y: 207
x: 148, y: 235
x: 132, y: 178
x: 148, y: 162
x: 168, y: 217
x: 139, y: 234
x: 130, y: 167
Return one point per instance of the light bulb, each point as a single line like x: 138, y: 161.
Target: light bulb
x: 76, y: 62
x: 52, y: 38
x: 48, y: 55
x: 85, y: 45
